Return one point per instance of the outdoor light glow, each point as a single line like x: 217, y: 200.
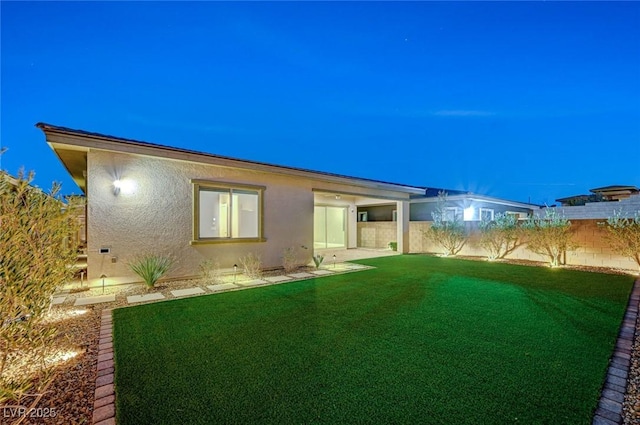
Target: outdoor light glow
x: 62, y: 357
x: 124, y: 186
x: 468, y: 214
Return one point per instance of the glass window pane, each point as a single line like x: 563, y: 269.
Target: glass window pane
x: 319, y: 227
x: 245, y: 215
x: 214, y: 213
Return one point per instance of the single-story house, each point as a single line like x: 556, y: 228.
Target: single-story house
x: 148, y: 198
x: 465, y: 206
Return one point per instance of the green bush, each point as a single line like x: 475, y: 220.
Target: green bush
x: 393, y: 246
x: 151, y: 267
x: 37, y: 255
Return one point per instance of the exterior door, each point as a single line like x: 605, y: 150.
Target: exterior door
x: 330, y: 227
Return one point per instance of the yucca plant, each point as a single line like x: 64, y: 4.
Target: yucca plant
x: 151, y: 267
x: 317, y: 260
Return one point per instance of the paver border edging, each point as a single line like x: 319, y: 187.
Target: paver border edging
x: 609, y: 410
x: 104, y: 406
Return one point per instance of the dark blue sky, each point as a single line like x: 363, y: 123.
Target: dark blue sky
x: 525, y: 101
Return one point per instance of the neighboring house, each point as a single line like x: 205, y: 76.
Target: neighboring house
x: 465, y: 206
x: 376, y: 222
x: 148, y: 198
x: 600, y: 194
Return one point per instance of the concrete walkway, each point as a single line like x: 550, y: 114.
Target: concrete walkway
x: 230, y: 283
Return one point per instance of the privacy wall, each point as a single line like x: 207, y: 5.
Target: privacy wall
x: 590, y: 236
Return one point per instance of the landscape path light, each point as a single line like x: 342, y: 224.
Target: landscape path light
x: 235, y: 270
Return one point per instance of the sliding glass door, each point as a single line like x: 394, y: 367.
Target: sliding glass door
x: 329, y: 227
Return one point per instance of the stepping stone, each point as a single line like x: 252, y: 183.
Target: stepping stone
x: 253, y: 282
x: 146, y: 297
x: 321, y: 272
x: 95, y: 300
x: 276, y: 279
x: 58, y: 300
x: 301, y: 275
x: 221, y: 286
x: 188, y: 291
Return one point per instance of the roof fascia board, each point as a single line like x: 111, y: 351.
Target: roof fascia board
x: 481, y: 199
x: 367, y: 195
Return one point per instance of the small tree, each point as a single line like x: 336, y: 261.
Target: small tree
x: 501, y: 236
x: 549, y: 235
x: 624, y: 235
x: 447, y: 232
x: 36, y: 258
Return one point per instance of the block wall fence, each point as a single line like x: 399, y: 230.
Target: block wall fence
x: 592, y: 250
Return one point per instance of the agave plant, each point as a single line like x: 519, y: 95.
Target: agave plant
x: 151, y: 267
x: 317, y: 260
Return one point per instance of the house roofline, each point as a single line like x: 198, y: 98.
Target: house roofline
x: 474, y: 197
x: 79, y: 138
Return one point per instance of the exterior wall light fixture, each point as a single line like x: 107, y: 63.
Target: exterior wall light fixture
x: 126, y: 187
x: 468, y: 214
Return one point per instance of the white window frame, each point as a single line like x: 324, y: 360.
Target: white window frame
x: 200, y: 185
x: 490, y: 210
x: 457, y: 213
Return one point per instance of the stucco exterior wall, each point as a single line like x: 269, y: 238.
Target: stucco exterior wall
x: 590, y: 236
x: 157, y: 216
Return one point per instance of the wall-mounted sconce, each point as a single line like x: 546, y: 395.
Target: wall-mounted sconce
x: 338, y: 197
x: 124, y: 186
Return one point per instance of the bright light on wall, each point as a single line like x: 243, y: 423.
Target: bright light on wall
x: 124, y: 186
x: 468, y: 214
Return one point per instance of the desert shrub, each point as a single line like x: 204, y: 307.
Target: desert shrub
x: 252, y: 265
x: 317, y: 260
x: 290, y: 260
x: 447, y: 232
x: 624, y: 235
x: 501, y: 236
x: 548, y: 235
x: 151, y: 267
x: 36, y: 259
x: 210, y: 270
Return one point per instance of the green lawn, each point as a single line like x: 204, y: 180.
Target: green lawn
x: 418, y: 340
